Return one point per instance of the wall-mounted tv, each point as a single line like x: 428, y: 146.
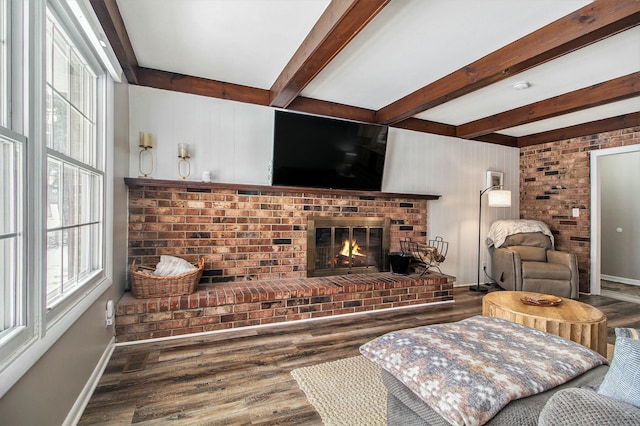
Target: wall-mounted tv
x: 319, y: 152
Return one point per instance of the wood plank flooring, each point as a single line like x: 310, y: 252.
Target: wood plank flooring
x: 242, y: 377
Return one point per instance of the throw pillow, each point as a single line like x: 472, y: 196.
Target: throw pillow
x: 622, y: 381
x: 632, y: 333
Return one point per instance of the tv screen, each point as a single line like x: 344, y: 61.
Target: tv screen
x: 319, y: 152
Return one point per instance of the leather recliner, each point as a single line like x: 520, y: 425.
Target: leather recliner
x: 528, y: 262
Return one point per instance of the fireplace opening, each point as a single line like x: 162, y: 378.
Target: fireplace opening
x: 346, y: 245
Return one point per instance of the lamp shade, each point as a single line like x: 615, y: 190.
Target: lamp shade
x: 499, y: 198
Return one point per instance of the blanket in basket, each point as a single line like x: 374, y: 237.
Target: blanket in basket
x: 469, y: 370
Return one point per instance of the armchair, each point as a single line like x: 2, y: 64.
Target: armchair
x: 524, y: 259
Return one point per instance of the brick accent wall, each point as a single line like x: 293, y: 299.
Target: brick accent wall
x: 554, y: 178
x: 246, y: 234
x: 240, y: 304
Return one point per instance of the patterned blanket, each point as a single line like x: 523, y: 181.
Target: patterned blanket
x: 469, y: 370
x: 501, y: 229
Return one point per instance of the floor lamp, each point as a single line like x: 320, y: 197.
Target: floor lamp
x: 498, y: 197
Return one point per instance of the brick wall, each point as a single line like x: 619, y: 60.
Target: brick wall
x: 248, y: 234
x: 554, y: 178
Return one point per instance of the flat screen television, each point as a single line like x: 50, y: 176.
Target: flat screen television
x: 318, y: 152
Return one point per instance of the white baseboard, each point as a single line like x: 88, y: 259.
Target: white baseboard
x: 621, y: 280
x: 83, y: 399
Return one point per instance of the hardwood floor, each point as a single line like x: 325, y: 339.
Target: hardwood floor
x: 243, y: 377
x: 615, y: 290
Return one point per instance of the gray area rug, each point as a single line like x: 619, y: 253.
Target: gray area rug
x: 345, y: 392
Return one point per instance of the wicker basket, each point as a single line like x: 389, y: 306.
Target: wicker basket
x: 144, y: 286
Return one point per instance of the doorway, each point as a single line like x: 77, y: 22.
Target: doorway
x: 599, y: 161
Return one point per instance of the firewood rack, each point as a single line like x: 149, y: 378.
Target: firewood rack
x: 425, y: 256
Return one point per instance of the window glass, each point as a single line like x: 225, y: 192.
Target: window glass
x: 4, y: 63
x: 75, y: 182
x: 11, y: 234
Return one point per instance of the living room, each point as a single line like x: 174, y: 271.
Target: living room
x: 231, y: 137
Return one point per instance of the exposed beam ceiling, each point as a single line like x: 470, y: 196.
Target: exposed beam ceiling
x: 594, y: 22
x: 345, y: 20
x: 590, y: 128
x: 337, y: 26
x: 607, y: 92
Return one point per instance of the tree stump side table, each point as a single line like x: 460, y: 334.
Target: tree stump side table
x: 570, y: 319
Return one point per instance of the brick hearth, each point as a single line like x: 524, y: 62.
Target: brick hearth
x: 240, y: 304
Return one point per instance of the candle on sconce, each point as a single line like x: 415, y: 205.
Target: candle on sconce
x: 183, y: 150
x: 145, y: 140
x: 145, y: 155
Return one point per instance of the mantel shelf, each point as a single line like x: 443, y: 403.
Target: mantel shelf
x: 265, y: 188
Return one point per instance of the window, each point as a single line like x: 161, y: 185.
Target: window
x: 74, y: 172
x: 54, y: 86
x: 11, y: 232
x: 4, y: 61
x: 12, y: 148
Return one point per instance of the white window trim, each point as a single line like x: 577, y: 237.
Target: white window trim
x: 44, y: 330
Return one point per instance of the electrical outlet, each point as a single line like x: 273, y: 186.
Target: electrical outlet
x: 484, y: 265
x: 109, y: 313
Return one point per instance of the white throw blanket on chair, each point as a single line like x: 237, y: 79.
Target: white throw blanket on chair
x: 501, y: 229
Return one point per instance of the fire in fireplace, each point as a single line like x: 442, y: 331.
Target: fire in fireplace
x: 350, y: 254
x: 346, y: 245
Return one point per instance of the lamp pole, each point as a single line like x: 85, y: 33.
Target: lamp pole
x: 477, y: 287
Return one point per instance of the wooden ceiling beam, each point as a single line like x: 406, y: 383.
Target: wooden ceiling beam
x: 618, y: 89
x: 202, y: 86
x: 593, y: 22
x: 584, y: 129
x: 338, y: 25
x: 498, y: 139
x: 601, y: 19
x: 426, y: 126
x: 113, y: 26
x: 332, y: 109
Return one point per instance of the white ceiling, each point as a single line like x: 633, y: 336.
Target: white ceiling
x: 245, y: 42
x: 414, y: 42
x: 585, y: 67
x: 408, y: 45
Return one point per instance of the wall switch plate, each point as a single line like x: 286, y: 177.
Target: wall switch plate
x: 575, y: 212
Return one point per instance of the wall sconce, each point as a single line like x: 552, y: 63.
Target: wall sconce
x: 183, y: 162
x: 145, y: 144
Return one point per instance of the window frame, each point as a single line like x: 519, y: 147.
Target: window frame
x: 17, y: 335
x: 5, y: 54
x: 21, y: 347
x: 60, y: 306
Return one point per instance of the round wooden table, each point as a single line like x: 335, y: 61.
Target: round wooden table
x: 570, y: 319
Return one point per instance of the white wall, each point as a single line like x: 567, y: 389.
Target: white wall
x: 232, y: 140
x: 620, y: 230
x: 235, y: 142
x: 456, y: 169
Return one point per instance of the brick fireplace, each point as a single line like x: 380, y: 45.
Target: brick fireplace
x: 253, y: 232
x: 255, y: 243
